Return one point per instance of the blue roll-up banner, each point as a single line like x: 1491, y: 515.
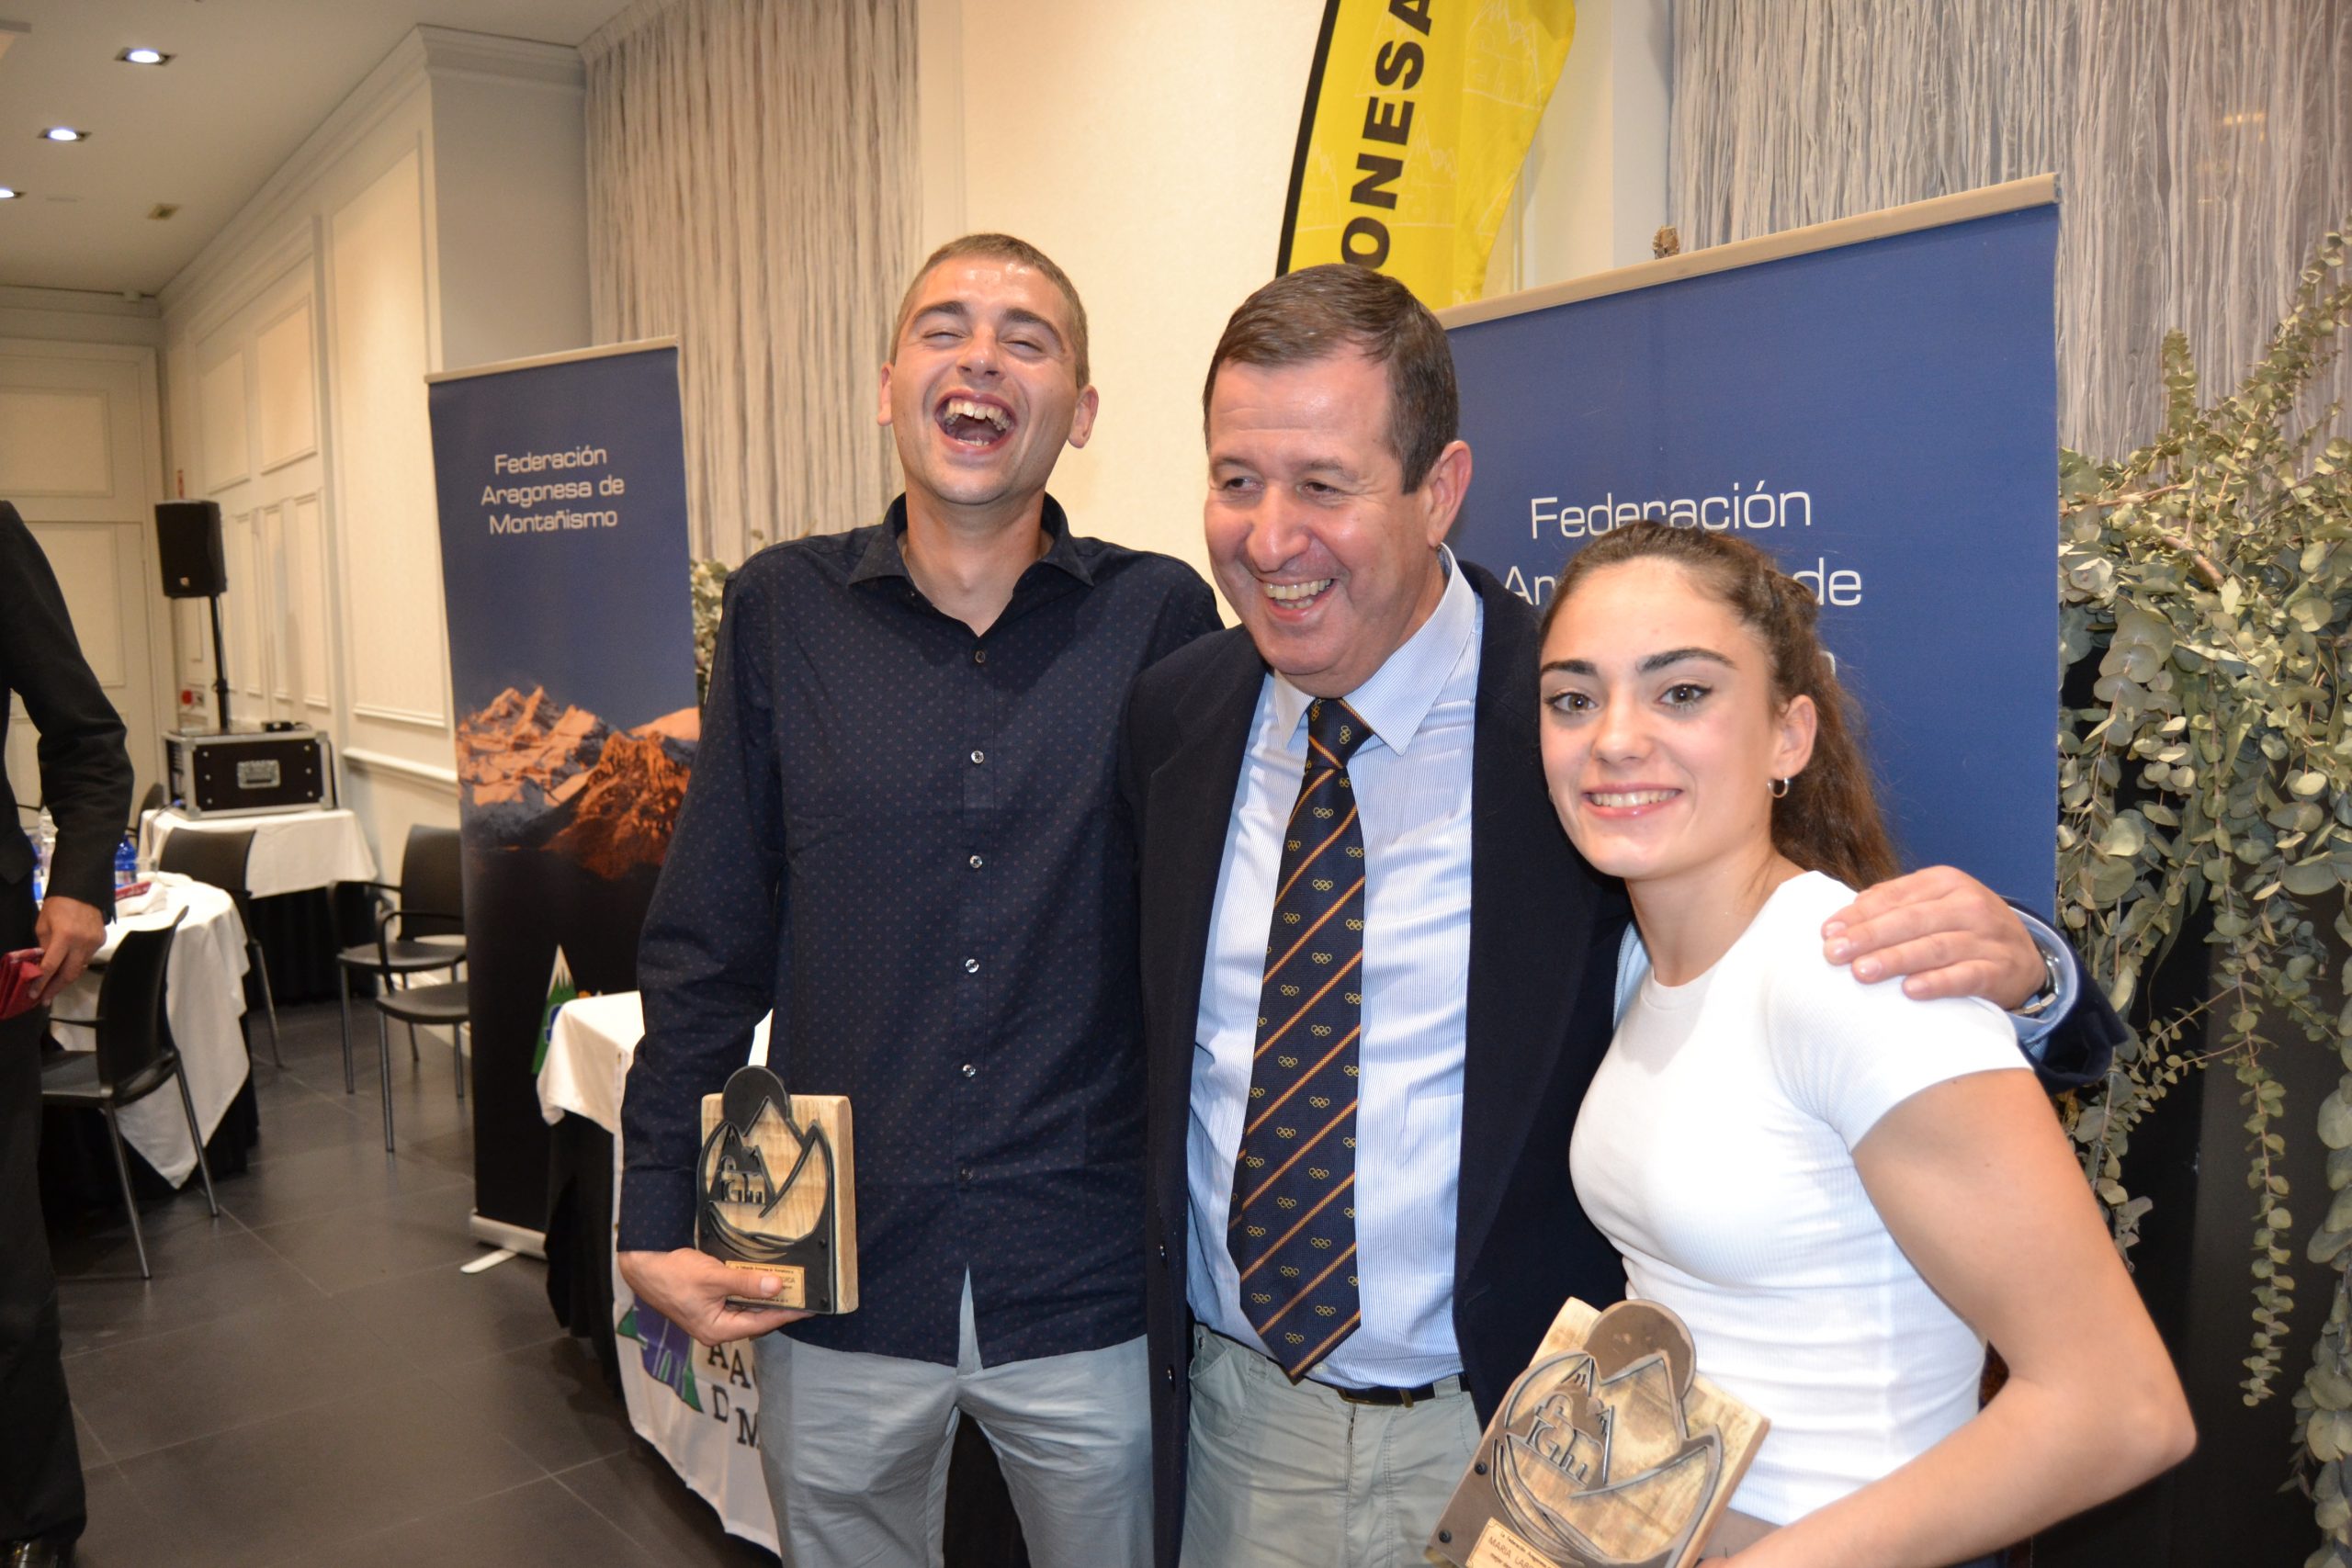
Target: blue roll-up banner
x: 562, y: 492
x: 1881, y: 415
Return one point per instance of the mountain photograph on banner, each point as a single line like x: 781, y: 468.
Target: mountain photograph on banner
x: 534, y: 774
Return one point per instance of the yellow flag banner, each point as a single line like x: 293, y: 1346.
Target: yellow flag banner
x: 1418, y: 115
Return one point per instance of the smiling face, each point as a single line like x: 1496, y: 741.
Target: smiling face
x: 1661, y: 732
x: 1329, y: 561
x: 981, y: 391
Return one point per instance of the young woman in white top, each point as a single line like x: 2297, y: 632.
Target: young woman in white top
x: 1843, y: 1191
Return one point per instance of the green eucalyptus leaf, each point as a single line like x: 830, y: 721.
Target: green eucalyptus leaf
x: 2308, y: 878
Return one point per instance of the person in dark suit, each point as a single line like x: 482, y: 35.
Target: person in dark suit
x: 1377, y: 978
x: 86, y: 781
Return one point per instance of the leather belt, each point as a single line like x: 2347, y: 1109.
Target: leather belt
x: 1406, y: 1397
x: 1402, y: 1398
x: 1394, y: 1398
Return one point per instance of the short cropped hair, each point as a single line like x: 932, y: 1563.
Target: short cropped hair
x: 1320, y: 311
x: 1002, y: 248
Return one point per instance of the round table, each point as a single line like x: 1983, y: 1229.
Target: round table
x: 297, y: 860
x: 203, y: 999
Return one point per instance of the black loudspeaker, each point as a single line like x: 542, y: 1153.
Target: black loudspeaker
x: 187, y: 542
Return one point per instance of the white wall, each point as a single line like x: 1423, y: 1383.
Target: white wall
x: 1147, y: 148
x: 436, y: 218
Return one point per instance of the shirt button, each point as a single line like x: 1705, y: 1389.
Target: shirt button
x: 965, y: 1174
x: 971, y: 966
x: 970, y: 1071
x: 979, y: 756
x: 976, y: 862
x: 1170, y: 1373
x: 979, y: 656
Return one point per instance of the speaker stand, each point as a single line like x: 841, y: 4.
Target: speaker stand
x: 219, y: 666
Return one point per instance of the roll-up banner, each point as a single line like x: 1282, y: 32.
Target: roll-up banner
x: 564, y: 557
x: 1874, y: 401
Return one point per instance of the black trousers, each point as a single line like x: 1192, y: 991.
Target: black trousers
x: 41, y: 1469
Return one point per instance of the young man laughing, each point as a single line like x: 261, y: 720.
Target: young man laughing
x: 904, y: 837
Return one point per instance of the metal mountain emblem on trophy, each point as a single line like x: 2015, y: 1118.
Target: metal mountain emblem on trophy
x: 1610, y: 1451
x: 775, y: 1190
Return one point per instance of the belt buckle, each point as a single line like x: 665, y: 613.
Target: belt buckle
x: 1385, y: 1398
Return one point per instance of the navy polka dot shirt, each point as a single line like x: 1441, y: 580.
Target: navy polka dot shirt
x: 908, y: 840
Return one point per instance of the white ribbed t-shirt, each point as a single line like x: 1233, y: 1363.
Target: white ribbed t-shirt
x: 1715, y: 1149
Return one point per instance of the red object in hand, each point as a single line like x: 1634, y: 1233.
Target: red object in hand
x: 18, y: 972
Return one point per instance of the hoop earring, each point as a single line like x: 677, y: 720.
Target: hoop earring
x: 1780, y: 788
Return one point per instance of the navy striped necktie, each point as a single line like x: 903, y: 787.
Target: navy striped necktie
x: 1293, y: 1231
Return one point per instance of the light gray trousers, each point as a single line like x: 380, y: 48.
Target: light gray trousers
x: 1290, y: 1475
x: 855, y: 1448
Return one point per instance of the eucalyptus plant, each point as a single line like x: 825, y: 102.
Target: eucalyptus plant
x: 707, y: 581
x: 2207, y: 787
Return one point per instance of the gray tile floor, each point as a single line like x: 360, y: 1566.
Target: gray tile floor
x: 308, y: 1379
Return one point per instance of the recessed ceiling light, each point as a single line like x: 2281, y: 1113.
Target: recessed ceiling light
x: 144, y: 57
x: 64, y: 133
x: 9, y: 193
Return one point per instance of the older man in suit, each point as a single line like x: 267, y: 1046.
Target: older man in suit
x: 86, y: 781
x: 1377, y: 979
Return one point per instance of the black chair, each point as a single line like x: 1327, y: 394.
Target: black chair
x: 446, y: 1004
x: 134, y: 1057
x: 220, y: 859
x: 430, y: 903
x: 151, y: 801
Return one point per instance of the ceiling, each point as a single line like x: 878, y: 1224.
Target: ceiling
x: 248, y: 81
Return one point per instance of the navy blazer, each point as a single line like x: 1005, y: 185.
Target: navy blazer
x: 1544, y: 930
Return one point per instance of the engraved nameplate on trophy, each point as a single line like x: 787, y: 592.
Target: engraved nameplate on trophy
x: 777, y: 1194
x: 1609, y: 1451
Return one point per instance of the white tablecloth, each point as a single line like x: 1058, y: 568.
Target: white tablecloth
x: 700, y: 1416
x: 292, y: 850
x: 204, y: 994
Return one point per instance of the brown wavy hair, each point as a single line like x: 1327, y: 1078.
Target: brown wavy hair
x: 1829, y: 820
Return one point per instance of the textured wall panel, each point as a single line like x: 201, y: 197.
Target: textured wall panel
x: 220, y: 411
x: 391, y: 555
x: 289, y: 397
x: 54, y: 444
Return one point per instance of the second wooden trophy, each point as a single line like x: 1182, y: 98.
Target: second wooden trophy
x: 778, y: 1193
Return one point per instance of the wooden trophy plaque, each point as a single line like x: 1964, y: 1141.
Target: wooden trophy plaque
x: 778, y: 1196
x: 1610, y: 1451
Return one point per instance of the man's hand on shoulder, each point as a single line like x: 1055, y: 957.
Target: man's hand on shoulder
x: 691, y: 1288
x: 1945, y: 932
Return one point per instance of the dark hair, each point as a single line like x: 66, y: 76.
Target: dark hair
x: 1003, y: 248
x: 1320, y: 311
x: 1829, y: 819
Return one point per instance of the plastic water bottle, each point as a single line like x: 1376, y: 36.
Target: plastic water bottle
x: 126, y: 861
x: 44, y: 843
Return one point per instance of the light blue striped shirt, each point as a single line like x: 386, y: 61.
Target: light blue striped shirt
x: 1412, y: 791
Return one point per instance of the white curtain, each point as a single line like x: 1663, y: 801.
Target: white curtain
x: 2201, y: 149
x: 753, y: 191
